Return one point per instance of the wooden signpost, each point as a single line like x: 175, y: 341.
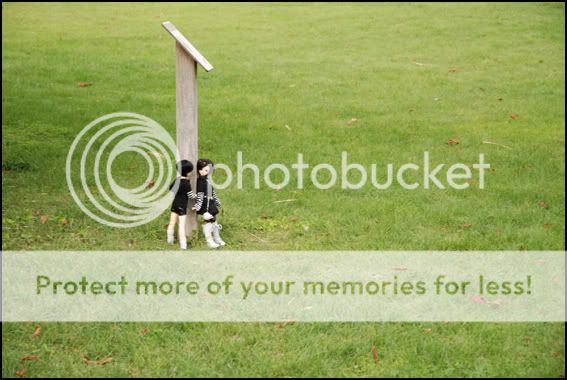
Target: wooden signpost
x: 186, y: 106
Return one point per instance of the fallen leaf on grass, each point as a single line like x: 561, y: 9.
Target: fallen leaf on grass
x: 428, y: 330
x: 453, y: 142
x: 21, y: 372
x: 466, y: 225
x: 497, y: 302
x: 29, y: 358
x: 352, y: 121
x: 418, y: 63
x: 284, y: 324
x: 542, y: 203
x: 150, y: 184
x: 37, y: 331
x: 546, y: 225
x: 514, y: 116
x: 83, y: 84
x: 43, y: 218
x: 64, y: 221
x: 36, y: 213
x: 453, y: 70
x: 478, y: 299
x: 104, y: 361
x: 375, y: 354
x: 145, y: 331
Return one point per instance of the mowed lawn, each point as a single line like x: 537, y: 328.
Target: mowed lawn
x: 414, y: 76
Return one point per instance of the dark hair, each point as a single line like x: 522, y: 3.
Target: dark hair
x: 203, y: 162
x: 184, y: 167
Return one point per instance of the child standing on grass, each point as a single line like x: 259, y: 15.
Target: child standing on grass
x: 207, y: 204
x: 180, y: 202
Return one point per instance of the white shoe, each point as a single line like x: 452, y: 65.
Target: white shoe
x: 216, y: 234
x: 170, y: 238
x: 208, y: 231
x: 183, y: 244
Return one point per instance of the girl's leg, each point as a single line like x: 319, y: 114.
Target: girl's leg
x: 181, y: 232
x: 216, y: 234
x: 171, y: 227
x: 208, y: 231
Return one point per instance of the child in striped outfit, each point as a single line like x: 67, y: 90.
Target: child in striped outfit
x: 207, y: 204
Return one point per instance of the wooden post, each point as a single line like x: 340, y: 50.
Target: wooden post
x: 186, y: 120
x: 187, y: 126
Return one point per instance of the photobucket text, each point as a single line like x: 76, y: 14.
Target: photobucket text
x: 408, y: 175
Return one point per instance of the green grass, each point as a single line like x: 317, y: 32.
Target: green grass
x: 312, y: 67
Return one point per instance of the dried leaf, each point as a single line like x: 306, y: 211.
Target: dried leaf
x: 145, y: 331
x: 478, y: 299
x: 428, y: 330
x: 284, y: 324
x: 84, y: 84
x: 453, y: 70
x: 514, y: 116
x: 64, y: 221
x: 352, y: 121
x: 29, y: 358
x: 375, y: 354
x: 466, y: 225
x: 542, y: 203
x: 263, y: 216
x: 43, y: 218
x: 36, y: 213
x: 104, y: 361
x: 21, y: 372
x: 453, y: 142
x: 150, y: 184
x: 37, y: 331
x: 546, y: 225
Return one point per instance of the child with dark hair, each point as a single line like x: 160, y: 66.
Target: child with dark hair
x: 207, y: 204
x: 183, y: 192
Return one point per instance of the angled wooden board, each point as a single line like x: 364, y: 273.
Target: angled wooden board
x: 187, y: 46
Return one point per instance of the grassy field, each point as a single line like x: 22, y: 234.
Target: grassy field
x: 413, y: 75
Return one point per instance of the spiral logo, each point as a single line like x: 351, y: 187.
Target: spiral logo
x: 89, y: 169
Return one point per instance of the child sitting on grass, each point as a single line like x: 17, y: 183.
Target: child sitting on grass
x: 180, y: 202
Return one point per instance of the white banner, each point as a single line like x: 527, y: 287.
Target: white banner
x: 283, y: 286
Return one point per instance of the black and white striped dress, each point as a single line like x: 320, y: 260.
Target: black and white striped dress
x: 206, y: 198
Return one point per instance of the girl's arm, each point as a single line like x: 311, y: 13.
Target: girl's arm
x: 217, y: 201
